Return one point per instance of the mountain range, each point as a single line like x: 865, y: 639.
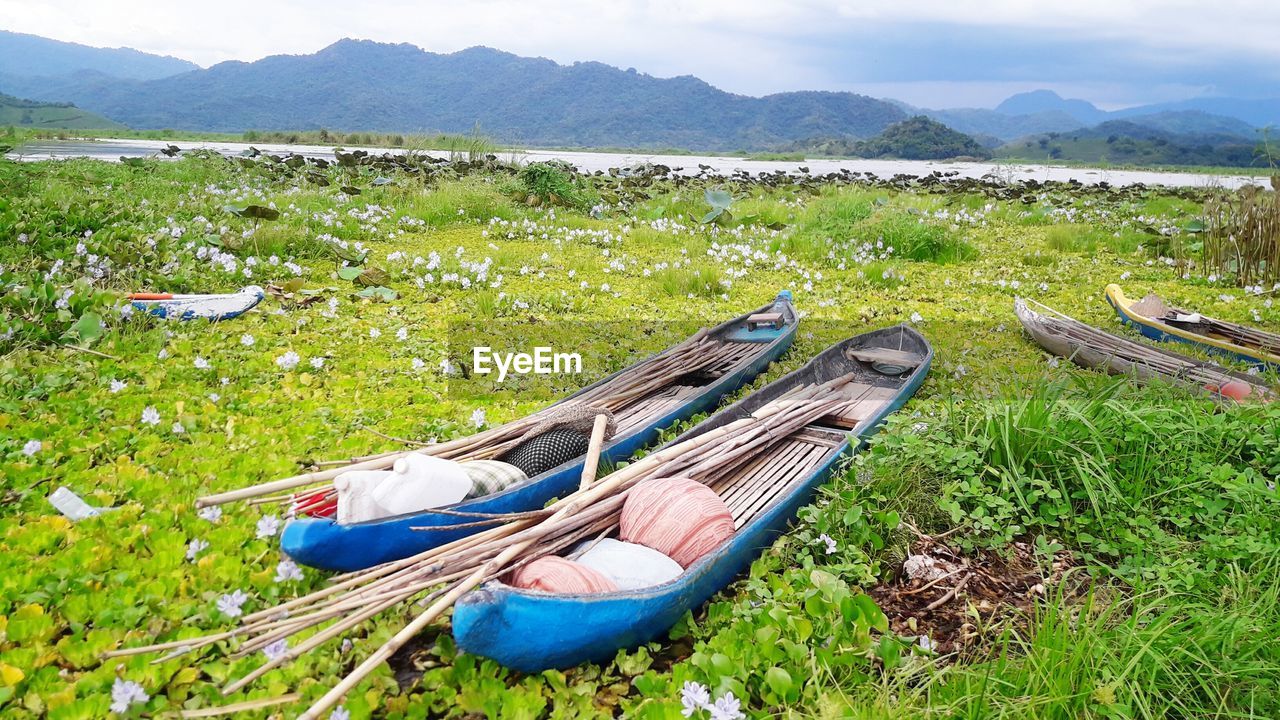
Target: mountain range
x: 364, y: 85
x: 400, y: 88
x: 32, y: 55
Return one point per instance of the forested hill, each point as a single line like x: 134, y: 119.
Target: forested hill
x: 364, y: 85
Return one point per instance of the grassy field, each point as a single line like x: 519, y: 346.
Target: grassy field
x: 1151, y: 514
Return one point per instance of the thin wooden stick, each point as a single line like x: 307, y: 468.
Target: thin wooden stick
x: 384, y: 436
x: 592, y: 461
x: 240, y: 707
x: 91, y: 352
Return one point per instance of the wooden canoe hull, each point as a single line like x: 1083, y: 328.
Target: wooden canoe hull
x: 199, y: 307
x: 1131, y: 358
x: 1163, y: 332
x: 323, y: 543
x: 532, y: 631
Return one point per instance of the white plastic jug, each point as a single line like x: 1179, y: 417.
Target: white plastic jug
x: 419, y: 482
x: 355, y: 495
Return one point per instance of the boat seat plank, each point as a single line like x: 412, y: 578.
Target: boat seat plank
x: 889, y: 355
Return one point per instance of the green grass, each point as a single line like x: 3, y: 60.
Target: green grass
x: 690, y: 282
x: 1165, y: 500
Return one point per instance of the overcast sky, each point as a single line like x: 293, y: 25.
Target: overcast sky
x: 932, y: 53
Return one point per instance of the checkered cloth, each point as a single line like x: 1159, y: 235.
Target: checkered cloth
x: 491, y: 476
x: 551, y: 449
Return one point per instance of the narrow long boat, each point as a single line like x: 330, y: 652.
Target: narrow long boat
x: 191, y: 307
x: 1092, y: 348
x: 860, y: 381
x: 707, y: 367
x: 1162, y: 323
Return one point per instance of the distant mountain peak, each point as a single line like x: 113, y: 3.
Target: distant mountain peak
x: 1038, y: 101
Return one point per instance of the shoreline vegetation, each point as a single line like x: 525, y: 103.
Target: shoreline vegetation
x: 477, y: 143
x: 1099, y: 549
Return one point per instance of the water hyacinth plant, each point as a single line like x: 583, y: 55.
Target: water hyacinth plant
x: 1166, y: 501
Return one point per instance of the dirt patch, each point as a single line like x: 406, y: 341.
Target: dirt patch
x: 950, y: 601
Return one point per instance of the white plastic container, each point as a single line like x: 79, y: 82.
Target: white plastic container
x: 419, y: 482
x: 355, y: 495
x: 73, y: 506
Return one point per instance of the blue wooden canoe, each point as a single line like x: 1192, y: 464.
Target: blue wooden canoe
x: 323, y: 543
x: 1163, y: 324
x: 530, y: 631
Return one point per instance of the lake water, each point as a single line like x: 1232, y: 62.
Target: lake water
x: 114, y: 149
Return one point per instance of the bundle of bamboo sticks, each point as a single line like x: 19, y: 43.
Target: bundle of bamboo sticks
x: 443, y: 574
x: 696, y: 353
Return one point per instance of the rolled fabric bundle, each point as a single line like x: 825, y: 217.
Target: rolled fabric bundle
x: 555, y: 574
x: 628, y: 565
x: 680, y: 518
x: 547, y: 450
x: 491, y: 476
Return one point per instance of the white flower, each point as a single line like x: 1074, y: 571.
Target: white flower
x: 125, y: 693
x: 374, y: 332
x: 340, y: 713
x: 287, y: 570
x: 477, y: 417
x: 164, y: 353
x: 118, y: 385
x: 915, y: 317
x: 178, y: 428
x: 32, y: 447
x: 247, y: 340
x: 693, y: 697
x: 213, y: 513
x: 214, y: 397
x: 268, y: 526
x: 831, y: 544
x: 1125, y: 275
x: 417, y: 363
x: 447, y: 367
x: 276, y: 649
x: 150, y: 416
x: 229, y: 604
x: 317, y: 362
x: 402, y: 334
x: 1053, y: 361
x: 288, y: 361
x: 195, y: 547
x: 727, y: 708
x: 201, y: 364
x: 126, y: 311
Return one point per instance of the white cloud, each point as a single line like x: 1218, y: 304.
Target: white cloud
x: 741, y: 45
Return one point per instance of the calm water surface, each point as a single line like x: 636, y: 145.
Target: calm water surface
x: 109, y: 149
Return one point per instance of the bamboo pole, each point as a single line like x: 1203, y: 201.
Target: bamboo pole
x: 592, y: 461
x: 690, y: 356
x: 459, y: 566
x: 407, y: 633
